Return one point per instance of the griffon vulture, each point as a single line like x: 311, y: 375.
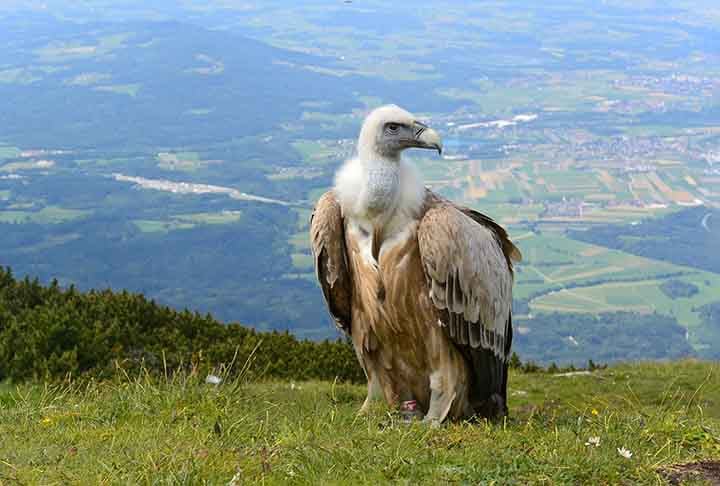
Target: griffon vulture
x: 422, y: 286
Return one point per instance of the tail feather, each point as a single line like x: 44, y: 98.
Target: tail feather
x: 488, y: 395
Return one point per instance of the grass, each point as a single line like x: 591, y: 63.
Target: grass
x: 182, y: 431
x: 155, y: 226
x: 223, y: 217
x: 182, y: 161
x: 29, y: 165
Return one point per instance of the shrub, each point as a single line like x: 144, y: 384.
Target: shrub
x: 49, y: 333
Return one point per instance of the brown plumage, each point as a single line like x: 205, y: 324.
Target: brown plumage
x: 423, y: 288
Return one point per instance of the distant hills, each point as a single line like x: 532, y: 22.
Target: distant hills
x: 140, y: 84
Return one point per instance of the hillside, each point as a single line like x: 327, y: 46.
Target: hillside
x: 182, y: 431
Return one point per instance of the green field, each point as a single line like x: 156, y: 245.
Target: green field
x: 181, y: 431
x: 187, y: 221
x: 551, y: 261
x: 563, y: 275
x: 182, y: 161
x: 642, y: 296
x: 315, y: 151
x: 9, y: 152
x: 46, y: 215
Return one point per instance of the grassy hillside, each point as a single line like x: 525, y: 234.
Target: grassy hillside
x: 138, y: 430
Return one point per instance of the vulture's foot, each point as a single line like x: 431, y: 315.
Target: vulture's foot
x: 440, y: 404
x: 432, y: 422
x: 494, y: 408
x: 367, y: 406
x: 410, y: 412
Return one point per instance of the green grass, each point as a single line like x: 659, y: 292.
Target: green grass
x: 641, y: 296
x: 224, y: 217
x: 181, y: 431
x: 554, y: 260
x: 29, y: 165
x: 182, y: 161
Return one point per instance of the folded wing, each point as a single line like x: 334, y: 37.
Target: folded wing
x: 327, y: 237
x: 467, y: 260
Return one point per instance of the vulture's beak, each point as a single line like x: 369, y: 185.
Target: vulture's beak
x: 427, y: 138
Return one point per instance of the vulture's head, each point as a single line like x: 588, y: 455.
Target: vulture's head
x: 389, y: 130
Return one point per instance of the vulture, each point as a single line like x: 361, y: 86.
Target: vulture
x: 422, y: 286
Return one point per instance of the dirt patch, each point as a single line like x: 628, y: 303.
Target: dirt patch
x: 693, y: 471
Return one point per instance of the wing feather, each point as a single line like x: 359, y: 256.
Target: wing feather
x: 469, y: 273
x: 467, y: 259
x: 327, y: 238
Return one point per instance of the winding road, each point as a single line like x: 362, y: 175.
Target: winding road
x: 704, y: 222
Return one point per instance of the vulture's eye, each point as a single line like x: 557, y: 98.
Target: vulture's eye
x: 392, y: 127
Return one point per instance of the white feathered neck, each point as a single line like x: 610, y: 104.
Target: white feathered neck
x: 377, y: 189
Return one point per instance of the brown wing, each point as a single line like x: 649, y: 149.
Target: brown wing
x: 511, y: 252
x: 467, y: 259
x: 469, y: 276
x: 327, y: 239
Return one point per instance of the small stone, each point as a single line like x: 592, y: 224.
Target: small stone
x: 213, y: 380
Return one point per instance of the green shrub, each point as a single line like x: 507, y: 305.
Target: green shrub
x: 50, y: 333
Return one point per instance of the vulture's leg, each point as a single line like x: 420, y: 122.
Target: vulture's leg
x: 443, y: 391
x: 366, y: 362
x: 374, y: 393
